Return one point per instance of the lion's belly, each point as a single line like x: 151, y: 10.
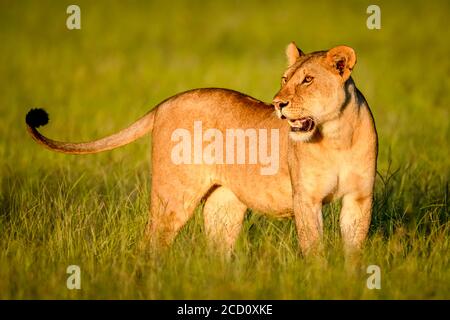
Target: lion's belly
x: 271, y: 195
x: 273, y: 204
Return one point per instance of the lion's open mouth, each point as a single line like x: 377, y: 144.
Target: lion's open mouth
x: 305, y: 124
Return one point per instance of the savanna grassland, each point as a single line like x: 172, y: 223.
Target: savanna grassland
x: 57, y: 210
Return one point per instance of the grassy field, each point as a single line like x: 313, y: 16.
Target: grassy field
x: 57, y: 210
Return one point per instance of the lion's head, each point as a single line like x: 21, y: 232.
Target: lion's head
x: 313, y: 88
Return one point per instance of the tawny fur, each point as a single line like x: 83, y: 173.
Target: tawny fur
x: 335, y: 160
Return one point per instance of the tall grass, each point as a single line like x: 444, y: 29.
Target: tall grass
x: 58, y: 210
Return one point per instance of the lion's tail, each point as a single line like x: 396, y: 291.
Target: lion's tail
x: 39, y: 117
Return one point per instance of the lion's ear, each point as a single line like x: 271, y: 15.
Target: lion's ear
x: 293, y: 53
x: 342, y: 59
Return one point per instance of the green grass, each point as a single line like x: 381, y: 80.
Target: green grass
x: 57, y: 210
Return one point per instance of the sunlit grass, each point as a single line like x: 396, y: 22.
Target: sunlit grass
x: 57, y: 210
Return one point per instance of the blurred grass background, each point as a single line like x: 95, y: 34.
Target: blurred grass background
x: 57, y: 210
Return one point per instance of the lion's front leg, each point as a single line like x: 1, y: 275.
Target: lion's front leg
x: 355, y: 219
x: 308, y: 220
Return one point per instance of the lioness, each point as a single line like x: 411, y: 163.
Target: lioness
x: 327, y: 148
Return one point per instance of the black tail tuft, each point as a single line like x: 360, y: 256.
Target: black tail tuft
x: 36, y: 118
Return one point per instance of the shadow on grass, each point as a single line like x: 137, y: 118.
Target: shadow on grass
x: 411, y: 199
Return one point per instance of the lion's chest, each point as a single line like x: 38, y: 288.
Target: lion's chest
x: 325, y: 175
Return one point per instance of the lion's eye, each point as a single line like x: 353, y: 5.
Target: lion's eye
x: 307, y: 79
x: 283, y: 80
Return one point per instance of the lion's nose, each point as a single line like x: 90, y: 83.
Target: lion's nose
x: 280, y: 104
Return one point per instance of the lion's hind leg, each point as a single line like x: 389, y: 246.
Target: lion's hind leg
x: 169, y: 214
x: 223, y: 214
